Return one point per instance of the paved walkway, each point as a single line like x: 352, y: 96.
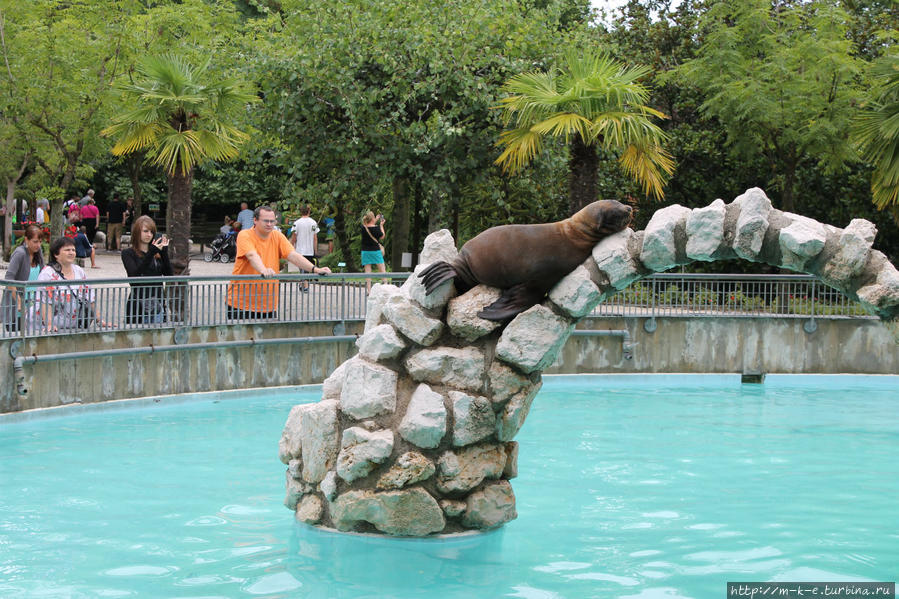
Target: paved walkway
x: 111, y: 267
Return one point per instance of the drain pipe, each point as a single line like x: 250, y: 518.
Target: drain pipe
x: 18, y: 367
x: 152, y: 349
x: 627, y: 344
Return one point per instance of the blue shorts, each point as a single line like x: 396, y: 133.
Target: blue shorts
x: 375, y: 257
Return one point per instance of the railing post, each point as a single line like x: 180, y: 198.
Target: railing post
x: 810, y: 325
x: 650, y: 325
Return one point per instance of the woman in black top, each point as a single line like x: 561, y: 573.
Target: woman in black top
x: 372, y: 231
x: 148, y: 256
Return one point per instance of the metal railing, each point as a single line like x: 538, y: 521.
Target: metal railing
x: 203, y: 301
x: 731, y: 295
x: 159, y: 302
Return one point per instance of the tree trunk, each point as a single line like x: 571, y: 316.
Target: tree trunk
x: 582, y: 166
x: 7, y: 218
x: 417, y: 225
x: 438, y: 213
x: 789, y: 201
x: 58, y: 225
x: 178, y: 226
x: 12, y: 207
x: 133, y: 163
x: 399, y: 223
x: 343, y: 238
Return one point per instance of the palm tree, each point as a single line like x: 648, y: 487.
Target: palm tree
x: 179, y: 119
x: 876, y: 133
x: 596, y: 102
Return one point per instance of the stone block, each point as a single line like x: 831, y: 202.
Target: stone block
x: 613, y: 258
x: 439, y: 245
x: 883, y: 293
x: 380, y: 343
x: 462, y: 315
x: 333, y: 385
x: 412, y: 321
x: 462, y: 368
x: 328, y: 486
x: 377, y: 299
x: 424, y: 423
x: 369, y: 390
x: 752, y: 224
x: 463, y: 470
x: 361, y: 451
x: 310, y: 510
x: 409, y: 512
x: 289, y: 446
x: 492, y: 506
x: 319, y: 433
x: 514, y: 413
x: 852, y: 253
x: 504, y: 383
x: 533, y: 339
x: 473, y: 418
x: 576, y: 294
x: 295, y: 490
x: 295, y: 469
x: 414, y: 289
x: 659, y: 251
x: 705, y: 231
x: 800, y: 241
x: 452, y: 507
x: 410, y: 468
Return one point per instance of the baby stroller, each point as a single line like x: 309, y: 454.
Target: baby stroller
x: 223, y: 248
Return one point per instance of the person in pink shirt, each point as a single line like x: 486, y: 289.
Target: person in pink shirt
x: 90, y: 218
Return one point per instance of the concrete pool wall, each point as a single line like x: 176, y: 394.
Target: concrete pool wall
x: 684, y: 345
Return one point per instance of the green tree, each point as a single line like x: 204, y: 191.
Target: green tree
x: 594, y: 103
x: 179, y: 119
x: 877, y: 133
x: 59, y: 59
x: 782, y: 80
x: 389, y: 105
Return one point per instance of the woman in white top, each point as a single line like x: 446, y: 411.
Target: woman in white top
x: 66, y: 307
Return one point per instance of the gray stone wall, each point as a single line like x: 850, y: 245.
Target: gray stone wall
x: 127, y: 376
x: 689, y: 345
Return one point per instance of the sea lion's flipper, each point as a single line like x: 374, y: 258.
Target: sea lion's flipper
x: 436, y: 274
x: 514, y: 300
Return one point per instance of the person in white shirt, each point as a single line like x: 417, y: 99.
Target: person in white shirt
x: 304, y: 239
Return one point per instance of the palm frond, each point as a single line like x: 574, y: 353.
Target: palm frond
x: 563, y: 125
x: 521, y: 147
x: 132, y: 136
x: 178, y: 150
x: 650, y: 166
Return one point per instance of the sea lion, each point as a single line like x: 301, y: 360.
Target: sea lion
x: 526, y: 261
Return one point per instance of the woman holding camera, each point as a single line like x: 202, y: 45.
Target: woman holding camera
x: 148, y: 256
x: 372, y: 250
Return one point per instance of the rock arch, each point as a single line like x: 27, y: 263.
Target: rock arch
x: 414, y: 435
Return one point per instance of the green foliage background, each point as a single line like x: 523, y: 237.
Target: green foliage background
x: 392, y: 106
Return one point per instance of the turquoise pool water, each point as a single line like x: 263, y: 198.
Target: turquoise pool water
x: 647, y: 487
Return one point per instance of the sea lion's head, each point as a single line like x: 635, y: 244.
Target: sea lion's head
x: 603, y: 218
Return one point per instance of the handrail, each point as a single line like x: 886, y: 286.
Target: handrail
x: 340, y: 297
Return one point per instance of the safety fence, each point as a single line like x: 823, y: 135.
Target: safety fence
x: 33, y: 309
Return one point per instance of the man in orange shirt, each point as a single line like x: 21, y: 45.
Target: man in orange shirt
x: 259, y: 251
